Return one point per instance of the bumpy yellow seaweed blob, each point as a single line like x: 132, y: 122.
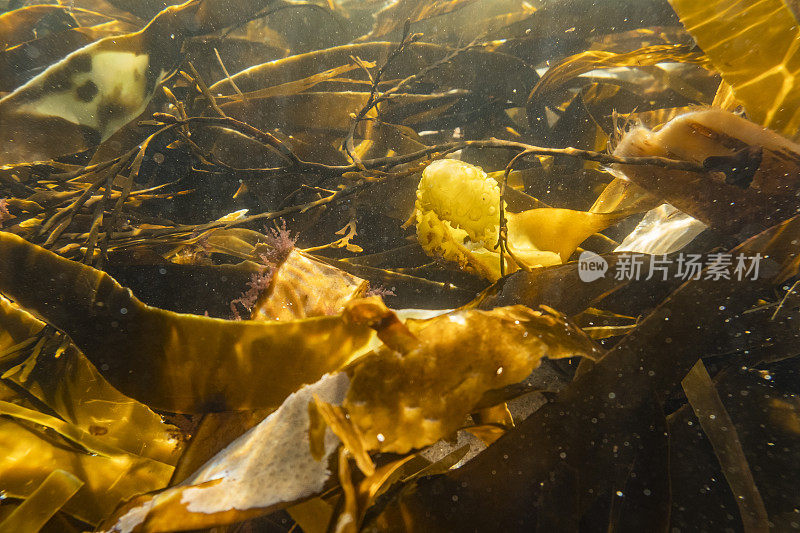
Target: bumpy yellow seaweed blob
x: 458, y: 219
x: 463, y: 195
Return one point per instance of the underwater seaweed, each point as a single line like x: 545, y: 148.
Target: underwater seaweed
x: 590, y: 325
x: 280, y: 243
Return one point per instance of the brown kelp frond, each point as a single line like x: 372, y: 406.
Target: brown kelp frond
x: 495, y: 265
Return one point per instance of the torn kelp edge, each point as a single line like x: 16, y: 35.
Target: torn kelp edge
x: 270, y: 464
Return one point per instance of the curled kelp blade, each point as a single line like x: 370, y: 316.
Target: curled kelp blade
x: 304, y: 287
x: 752, y: 171
x: 49, y: 370
x: 557, y: 230
x: 393, y: 16
x: 597, y: 59
x: 176, y: 362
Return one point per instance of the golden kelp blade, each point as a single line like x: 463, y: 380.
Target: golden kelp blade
x: 532, y: 289
x: 28, y: 454
x: 410, y: 400
x: 337, y: 419
x: 755, y: 47
x: 597, y: 59
x: 395, y: 14
x: 198, y: 17
x: 19, y: 25
x: 293, y: 87
x: 723, y: 436
x: 269, y: 467
x: 172, y: 361
x: 304, y: 287
x: 557, y: 230
x: 331, y: 110
x: 45, y: 501
x: 66, y: 382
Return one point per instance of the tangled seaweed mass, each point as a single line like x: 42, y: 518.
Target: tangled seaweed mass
x: 413, y: 265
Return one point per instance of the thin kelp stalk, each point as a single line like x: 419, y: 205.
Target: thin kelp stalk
x: 376, y: 98
x: 721, y: 431
x: 502, y: 241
